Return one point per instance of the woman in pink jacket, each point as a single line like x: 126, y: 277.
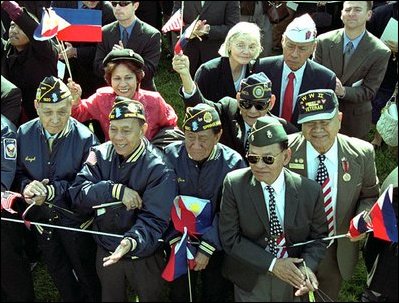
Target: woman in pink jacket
x: 124, y: 72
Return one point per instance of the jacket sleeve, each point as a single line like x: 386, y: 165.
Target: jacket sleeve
x: 154, y: 218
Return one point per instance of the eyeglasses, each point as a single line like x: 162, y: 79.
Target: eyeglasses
x: 121, y: 3
x: 247, y: 104
x: 242, y: 47
x: 269, y: 159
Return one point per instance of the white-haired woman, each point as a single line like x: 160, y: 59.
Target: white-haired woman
x: 221, y: 77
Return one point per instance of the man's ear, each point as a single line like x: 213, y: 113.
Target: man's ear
x: 272, y: 101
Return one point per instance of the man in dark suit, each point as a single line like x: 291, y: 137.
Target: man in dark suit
x: 253, y: 100
x: 220, y: 16
x: 265, y: 209
x: 11, y: 99
x: 350, y: 184
x: 298, y: 42
x: 130, y: 32
x: 360, y: 75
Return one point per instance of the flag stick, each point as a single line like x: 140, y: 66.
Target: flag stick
x: 189, y: 283
x: 182, y: 17
x: 63, y: 51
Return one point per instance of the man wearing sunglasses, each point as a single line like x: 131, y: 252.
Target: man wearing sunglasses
x: 265, y: 210
x: 130, y: 32
x: 253, y: 100
x: 348, y: 166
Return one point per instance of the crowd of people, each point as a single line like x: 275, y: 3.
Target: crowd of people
x: 275, y: 143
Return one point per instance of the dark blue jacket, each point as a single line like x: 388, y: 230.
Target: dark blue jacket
x: 204, y: 182
x: 60, y: 166
x: 104, y: 180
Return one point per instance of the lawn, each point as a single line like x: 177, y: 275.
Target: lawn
x: 168, y: 83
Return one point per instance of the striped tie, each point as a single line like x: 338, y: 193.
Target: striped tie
x: 277, y: 239
x: 324, y: 180
x: 247, y: 141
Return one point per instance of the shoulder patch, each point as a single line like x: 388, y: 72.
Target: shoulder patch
x: 10, y: 148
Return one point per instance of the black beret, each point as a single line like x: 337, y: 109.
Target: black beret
x: 267, y: 131
x: 201, y: 117
x: 124, y: 108
x: 52, y: 90
x: 256, y: 87
x: 124, y: 54
x: 317, y: 104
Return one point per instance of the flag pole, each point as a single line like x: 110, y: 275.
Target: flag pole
x: 63, y: 51
x: 189, y: 282
x: 182, y: 17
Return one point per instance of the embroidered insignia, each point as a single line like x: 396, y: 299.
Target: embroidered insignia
x: 10, y: 148
x: 269, y: 134
x: 208, y: 117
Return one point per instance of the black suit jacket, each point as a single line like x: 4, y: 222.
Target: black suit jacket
x: 215, y: 80
x: 244, y: 225
x: 315, y: 76
x: 144, y: 40
x: 220, y: 15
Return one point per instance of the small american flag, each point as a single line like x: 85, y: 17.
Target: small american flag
x: 174, y: 23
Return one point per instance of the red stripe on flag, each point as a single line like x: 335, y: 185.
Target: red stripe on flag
x: 81, y: 33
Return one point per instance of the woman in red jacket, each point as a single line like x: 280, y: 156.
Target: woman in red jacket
x: 124, y: 72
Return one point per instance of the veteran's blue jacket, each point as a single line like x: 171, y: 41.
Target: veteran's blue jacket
x: 203, y: 182
x: 104, y: 178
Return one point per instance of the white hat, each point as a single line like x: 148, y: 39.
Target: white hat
x: 301, y: 30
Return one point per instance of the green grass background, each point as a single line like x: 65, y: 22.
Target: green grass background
x: 168, y: 83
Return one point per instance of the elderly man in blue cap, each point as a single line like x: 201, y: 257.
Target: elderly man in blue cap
x: 51, y: 151
x: 201, y: 163
x: 253, y: 100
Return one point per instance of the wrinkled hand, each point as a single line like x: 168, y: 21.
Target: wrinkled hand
x: 123, y: 248
x: 131, y: 199
x: 70, y: 51
x: 76, y: 91
x: 118, y: 46
x: 36, y: 192
x: 393, y: 46
x: 339, y: 88
x: 181, y: 64
x: 201, y: 261
x: 286, y: 270
x: 311, y: 284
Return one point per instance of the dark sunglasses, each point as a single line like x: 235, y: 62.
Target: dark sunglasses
x: 269, y: 159
x: 247, y: 104
x: 121, y: 3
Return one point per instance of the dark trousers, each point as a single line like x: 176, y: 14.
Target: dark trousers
x: 215, y: 288
x: 143, y: 275
x: 16, y: 278
x: 66, y: 253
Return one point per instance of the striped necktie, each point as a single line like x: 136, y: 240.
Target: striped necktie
x: 323, y: 179
x: 277, y: 239
x: 247, y: 141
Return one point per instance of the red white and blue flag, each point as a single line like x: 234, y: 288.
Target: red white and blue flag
x: 383, y: 217
x: 174, y: 23
x: 192, y: 213
x: 74, y: 25
x: 185, y: 37
x: 358, y: 225
x: 50, y: 25
x: 85, y: 25
x: 181, y: 259
x: 8, y: 199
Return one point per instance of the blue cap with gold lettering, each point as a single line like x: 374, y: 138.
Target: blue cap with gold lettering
x: 317, y: 104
